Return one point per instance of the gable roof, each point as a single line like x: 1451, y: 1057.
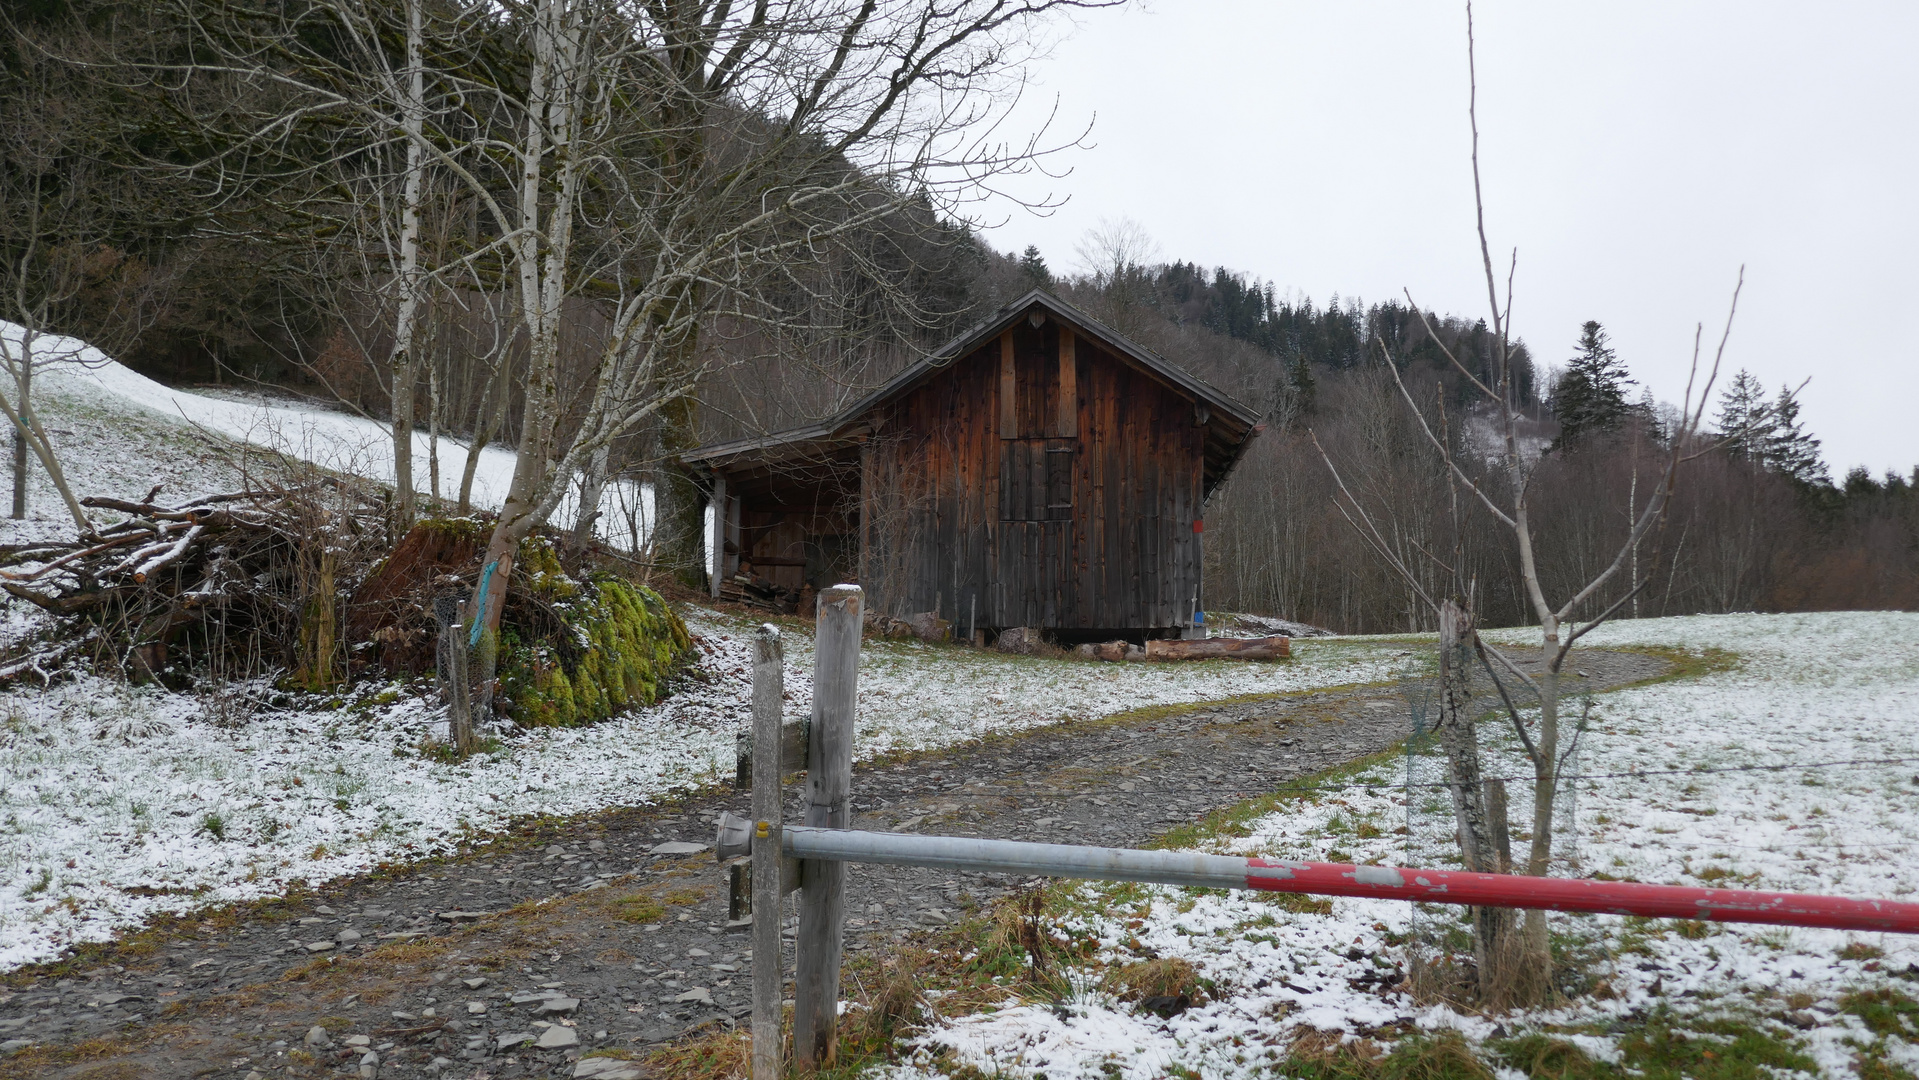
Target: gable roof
x: 1230, y: 426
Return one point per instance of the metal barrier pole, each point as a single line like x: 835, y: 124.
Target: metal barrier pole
x: 1339, y: 879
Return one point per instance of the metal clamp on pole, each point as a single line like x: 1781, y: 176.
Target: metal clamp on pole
x: 736, y: 837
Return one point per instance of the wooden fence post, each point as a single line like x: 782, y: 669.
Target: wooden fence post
x: 768, y: 695
x: 451, y: 662
x: 829, y: 782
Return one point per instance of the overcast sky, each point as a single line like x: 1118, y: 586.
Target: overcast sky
x: 1635, y: 153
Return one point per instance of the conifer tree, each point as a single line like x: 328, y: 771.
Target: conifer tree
x: 1591, y: 392
x: 1743, y: 424
x: 1768, y: 433
x: 1859, y: 482
x: 1034, y: 267
x: 1298, y: 390
x: 1789, y: 448
x: 1646, y: 410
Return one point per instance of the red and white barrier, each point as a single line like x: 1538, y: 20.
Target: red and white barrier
x: 1331, y: 879
x: 1582, y: 894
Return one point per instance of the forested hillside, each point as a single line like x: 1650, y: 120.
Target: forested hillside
x: 1755, y: 525
x: 208, y: 231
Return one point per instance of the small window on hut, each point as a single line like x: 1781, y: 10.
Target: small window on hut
x: 1036, y: 479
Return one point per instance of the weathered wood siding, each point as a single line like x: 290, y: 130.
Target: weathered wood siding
x: 1051, y: 484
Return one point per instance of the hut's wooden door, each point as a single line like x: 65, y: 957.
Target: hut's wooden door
x: 1036, y: 529
x: 1039, y: 452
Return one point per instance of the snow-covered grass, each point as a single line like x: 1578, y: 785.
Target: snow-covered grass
x: 1809, y: 689
x: 108, y: 446
x: 115, y: 792
x: 86, y: 389
x: 914, y: 696
x: 122, y: 802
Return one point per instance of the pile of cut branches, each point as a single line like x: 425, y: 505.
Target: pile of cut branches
x: 233, y: 585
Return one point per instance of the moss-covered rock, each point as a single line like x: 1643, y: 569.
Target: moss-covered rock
x: 537, y: 566
x: 620, y: 644
x: 572, y: 651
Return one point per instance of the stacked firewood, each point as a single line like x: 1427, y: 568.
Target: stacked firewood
x: 755, y: 591
x: 240, y: 583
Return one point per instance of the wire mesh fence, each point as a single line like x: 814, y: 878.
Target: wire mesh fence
x: 1441, y: 956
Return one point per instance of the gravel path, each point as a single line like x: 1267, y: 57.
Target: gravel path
x: 609, y: 932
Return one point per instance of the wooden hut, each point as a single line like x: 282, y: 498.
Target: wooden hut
x: 1039, y: 471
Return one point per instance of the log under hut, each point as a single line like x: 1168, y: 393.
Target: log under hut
x: 1040, y: 471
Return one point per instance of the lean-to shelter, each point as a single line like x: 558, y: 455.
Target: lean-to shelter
x: 1039, y: 470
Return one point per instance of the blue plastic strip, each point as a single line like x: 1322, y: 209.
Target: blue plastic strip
x: 479, y: 617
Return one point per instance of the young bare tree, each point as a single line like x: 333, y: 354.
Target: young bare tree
x: 1518, y: 971
x: 406, y: 88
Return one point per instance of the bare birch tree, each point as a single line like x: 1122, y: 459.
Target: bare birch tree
x: 408, y: 90
x: 763, y: 137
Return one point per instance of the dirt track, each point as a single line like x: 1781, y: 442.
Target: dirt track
x: 619, y: 948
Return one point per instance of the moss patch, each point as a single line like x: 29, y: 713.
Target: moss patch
x: 616, y: 645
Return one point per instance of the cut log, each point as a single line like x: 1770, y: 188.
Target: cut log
x: 1107, y: 650
x: 1019, y: 639
x: 1266, y: 648
x: 928, y: 626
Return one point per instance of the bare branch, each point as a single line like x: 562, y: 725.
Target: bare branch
x: 1513, y: 669
x: 1512, y: 711
x: 1370, y: 532
x: 1479, y: 202
x: 1444, y: 452
x: 1611, y: 610
x: 1448, y: 353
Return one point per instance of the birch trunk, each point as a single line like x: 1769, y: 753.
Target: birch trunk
x: 406, y: 322
x: 1632, y: 511
x: 592, y: 486
x: 541, y: 262
x: 489, y: 423
x: 433, y: 432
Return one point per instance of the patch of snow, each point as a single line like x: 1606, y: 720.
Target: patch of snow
x: 111, y: 789
x: 1811, y: 689
x: 1486, y: 437
x: 89, y: 380
x: 1234, y: 625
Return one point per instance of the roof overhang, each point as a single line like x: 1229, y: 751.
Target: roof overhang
x: 834, y: 442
